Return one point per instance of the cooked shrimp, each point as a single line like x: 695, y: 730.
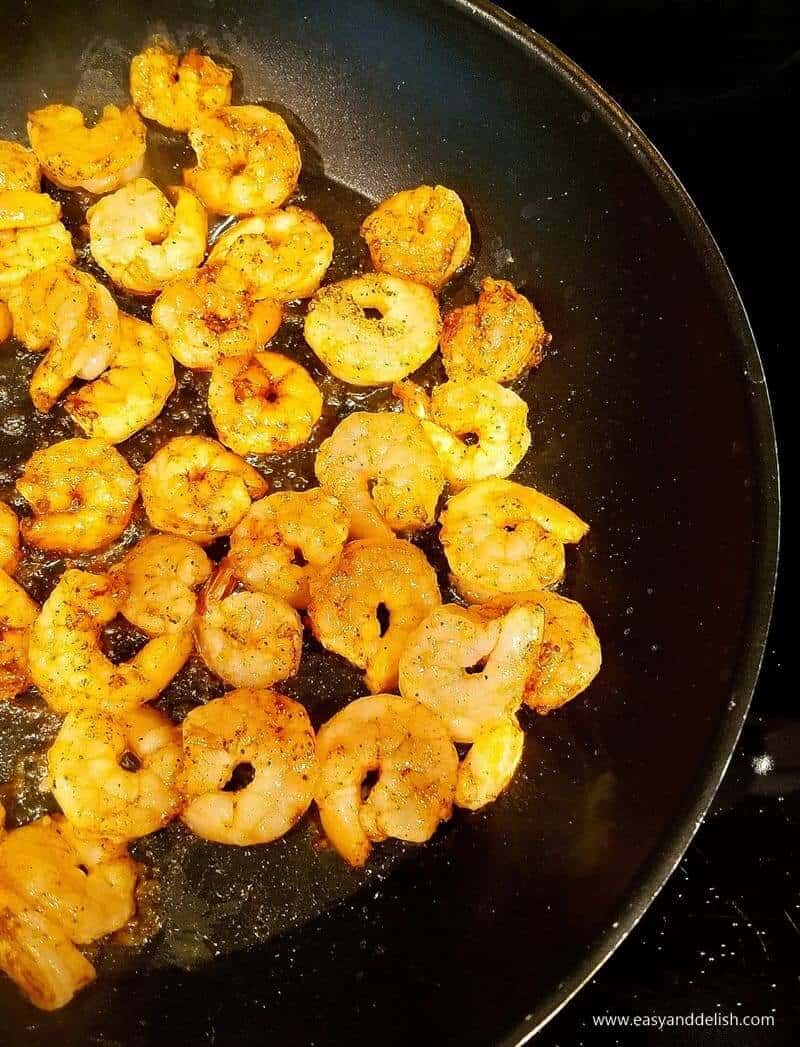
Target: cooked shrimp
x: 284, y: 539
x: 17, y: 614
x: 142, y: 240
x: 281, y: 255
x: 499, y: 337
x: 195, y: 488
x: 421, y: 234
x: 478, y: 428
x: 26, y: 251
x: 365, y: 605
x: 116, y: 777
x: 98, y: 158
x: 373, y: 329
x: 247, y: 160
x: 132, y: 392
x: 19, y: 168
x: 415, y: 762
x: 468, y: 668
x: 502, y: 537
x: 6, y: 323
x: 205, y: 320
x: 250, y: 767
x: 82, y: 494
x: 384, y: 471
x: 489, y: 766
x: 10, y: 553
x: 176, y: 91
x: 159, y: 577
x: 27, y: 209
x: 247, y: 639
x: 266, y: 404
x: 66, y: 657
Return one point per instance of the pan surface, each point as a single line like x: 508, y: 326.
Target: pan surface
x: 650, y: 418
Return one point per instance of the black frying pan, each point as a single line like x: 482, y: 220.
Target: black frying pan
x: 650, y: 418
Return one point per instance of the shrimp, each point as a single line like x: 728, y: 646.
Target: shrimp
x: 282, y: 255
x: 365, y: 605
x: 266, y: 404
x: 82, y: 494
x: 502, y: 537
x: 17, y: 614
x: 416, y: 764
x: 206, y: 320
x: 24, y: 252
x: 247, y: 160
x: 141, y: 240
x: 468, y: 668
x: 421, y: 234
x: 27, y: 209
x: 176, y: 92
x: 478, y: 428
x: 67, y: 662
x: 373, y: 329
x: 247, y: 639
x: 116, y: 777
x: 74, y: 318
x: 159, y: 577
x: 384, y: 471
x: 194, y: 488
x: 98, y: 159
x: 132, y: 392
x: 489, y: 766
x: 284, y: 539
x: 10, y: 552
x: 19, y: 168
x: 250, y: 767
x: 6, y: 323
x: 499, y: 337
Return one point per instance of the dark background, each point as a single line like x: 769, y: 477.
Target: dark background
x: 715, y: 86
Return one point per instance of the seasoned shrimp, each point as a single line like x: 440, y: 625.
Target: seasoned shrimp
x: 250, y: 767
x: 247, y: 160
x: 284, y: 539
x: 499, y: 337
x: 468, y: 668
x: 116, y: 777
x: 19, y: 168
x: 176, y: 91
x: 489, y: 766
x: 421, y: 234
x: 384, y: 471
x: 373, y: 329
x: 365, y: 605
x: 502, y: 537
x: 281, y: 255
x: 206, y: 320
x: 132, y: 392
x: 195, y: 488
x: 266, y: 404
x: 10, y: 552
x: 98, y: 158
x: 159, y: 577
x: 142, y: 240
x: 17, y: 614
x: 27, y: 209
x: 415, y: 762
x: 66, y: 657
x: 82, y: 494
x: 26, y: 251
x: 247, y: 639
x: 478, y: 428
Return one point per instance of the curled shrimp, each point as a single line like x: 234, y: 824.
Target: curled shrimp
x: 116, y: 777
x: 366, y: 604
x: 24, y: 252
x: 247, y: 160
x: 415, y: 761
x: 67, y: 662
x: 205, y: 320
x: 98, y: 158
x: 502, y: 537
x: 282, y: 255
x: 27, y: 209
x: 195, y: 488
x: 478, y: 428
x: 132, y: 392
x: 17, y: 614
x: 247, y: 639
x: 10, y: 551
x: 264, y: 404
x: 284, y: 539
x: 257, y: 738
x: 490, y: 764
x: 176, y: 91
x: 373, y: 329
x: 19, y: 168
x: 384, y: 471
x: 498, y: 337
x: 81, y: 493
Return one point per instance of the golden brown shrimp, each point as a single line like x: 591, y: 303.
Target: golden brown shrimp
x: 489, y: 766
x: 27, y: 209
x: 19, y: 168
x: 10, y: 552
x: 6, y: 323
x: 176, y: 91
x: 17, y: 614
x: 24, y: 252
